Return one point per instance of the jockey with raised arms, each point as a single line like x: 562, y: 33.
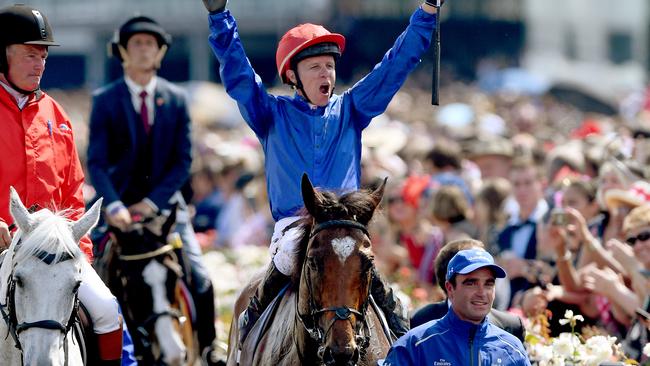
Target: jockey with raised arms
x: 314, y: 131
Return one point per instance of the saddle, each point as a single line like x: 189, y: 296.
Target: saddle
x: 85, y: 335
x: 259, y: 329
x: 262, y: 325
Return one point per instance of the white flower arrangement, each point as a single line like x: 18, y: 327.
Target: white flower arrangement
x: 570, y: 348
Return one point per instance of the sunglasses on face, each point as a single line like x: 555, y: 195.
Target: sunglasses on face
x: 643, y: 236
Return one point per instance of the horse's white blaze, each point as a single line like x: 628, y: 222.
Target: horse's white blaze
x: 343, y: 247
x: 155, y: 275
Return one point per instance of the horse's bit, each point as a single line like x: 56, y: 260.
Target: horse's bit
x: 362, y: 334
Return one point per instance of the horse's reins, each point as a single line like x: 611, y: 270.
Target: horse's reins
x: 9, y: 315
x: 142, y: 329
x: 340, y: 312
x: 152, y: 254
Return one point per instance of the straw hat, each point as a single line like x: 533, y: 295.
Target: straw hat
x: 637, y: 195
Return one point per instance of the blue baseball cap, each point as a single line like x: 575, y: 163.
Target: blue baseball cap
x: 466, y: 261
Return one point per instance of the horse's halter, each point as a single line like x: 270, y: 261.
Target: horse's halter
x: 9, y: 315
x: 361, y: 328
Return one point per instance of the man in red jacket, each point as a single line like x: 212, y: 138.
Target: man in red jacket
x: 40, y: 158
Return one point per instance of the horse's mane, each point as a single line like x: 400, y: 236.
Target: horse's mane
x: 51, y: 234
x: 356, y: 205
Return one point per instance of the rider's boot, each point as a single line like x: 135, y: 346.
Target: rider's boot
x: 271, y: 284
x: 110, y: 348
x: 389, y: 304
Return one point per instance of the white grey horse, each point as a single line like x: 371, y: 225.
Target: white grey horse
x: 39, y: 278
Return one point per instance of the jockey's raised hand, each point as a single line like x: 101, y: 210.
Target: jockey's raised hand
x: 5, y: 237
x: 215, y: 6
x: 120, y: 219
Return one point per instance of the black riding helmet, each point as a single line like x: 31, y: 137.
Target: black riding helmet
x: 22, y: 24
x: 138, y: 24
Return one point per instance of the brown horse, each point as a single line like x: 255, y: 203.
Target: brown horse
x: 146, y: 277
x: 327, y: 316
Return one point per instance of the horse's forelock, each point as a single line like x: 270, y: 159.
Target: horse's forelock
x: 51, y: 234
x: 356, y: 205
x: 360, y: 205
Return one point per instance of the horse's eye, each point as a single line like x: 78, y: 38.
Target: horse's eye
x: 311, y: 262
x: 75, y: 289
x: 19, y: 281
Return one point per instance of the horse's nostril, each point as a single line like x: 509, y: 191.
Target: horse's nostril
x: 355, y: 356
x: 345, y: 356
x: 327, y: 357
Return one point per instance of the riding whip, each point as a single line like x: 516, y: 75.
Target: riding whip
x: 436, y: 55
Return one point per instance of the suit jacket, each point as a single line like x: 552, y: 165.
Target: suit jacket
x: 504, y: 240
x: 112, y: 143
x: 508, y: 322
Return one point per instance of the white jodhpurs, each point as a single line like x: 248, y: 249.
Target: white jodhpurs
x: 99, y: 301
x: 284, y: 245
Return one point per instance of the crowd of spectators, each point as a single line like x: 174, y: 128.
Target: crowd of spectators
x: 558, y: 195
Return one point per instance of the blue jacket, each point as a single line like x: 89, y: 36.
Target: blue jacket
x: 112, y: 145
x: 455, y: 342
x: 324, y: 142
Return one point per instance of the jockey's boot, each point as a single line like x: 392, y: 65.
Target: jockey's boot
x: 110, y: 348
x: 389, y: 304
x: 271, y: 284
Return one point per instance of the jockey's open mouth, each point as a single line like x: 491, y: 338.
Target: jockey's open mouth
x: 325, y: 88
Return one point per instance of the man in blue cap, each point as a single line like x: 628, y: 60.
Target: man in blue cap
x: 464, y: 336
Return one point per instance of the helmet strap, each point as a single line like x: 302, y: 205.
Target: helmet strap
x: 18, y: 89
x: 124, y: 55
x: 300, y: 87
x: 5, y: 72
x: 159, y: 56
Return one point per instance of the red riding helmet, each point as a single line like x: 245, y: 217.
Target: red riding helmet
x: 306, y: 40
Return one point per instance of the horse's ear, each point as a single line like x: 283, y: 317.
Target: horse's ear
x: 82, y: 226
x: 169, y: 222
x: 378, y: 193
x: 310, y: 197
x: 19, y: 212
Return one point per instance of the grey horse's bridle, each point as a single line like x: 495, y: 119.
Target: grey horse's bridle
x: 8, y: 309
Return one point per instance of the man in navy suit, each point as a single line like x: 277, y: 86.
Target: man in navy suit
x: 139, y: 151
x: 518, y: 240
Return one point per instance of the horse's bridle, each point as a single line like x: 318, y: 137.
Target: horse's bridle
x: 144, y: 328
x: 362, y: 333
x: 8, y: 309
x: 151, y: 321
